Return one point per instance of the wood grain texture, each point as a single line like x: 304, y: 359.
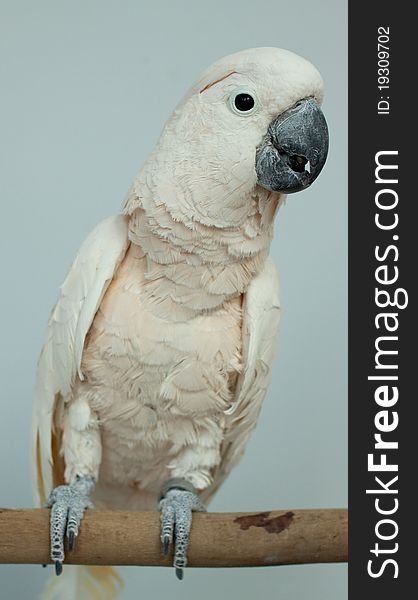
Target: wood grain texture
x: 275, y: 537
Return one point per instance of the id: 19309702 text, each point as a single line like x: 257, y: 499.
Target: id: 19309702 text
x: 383, y: 71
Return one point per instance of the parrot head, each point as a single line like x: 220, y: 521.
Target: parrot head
x: 271, y: 99
x: 250, y: 127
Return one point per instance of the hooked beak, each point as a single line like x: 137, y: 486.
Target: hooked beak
x: 294, y: 149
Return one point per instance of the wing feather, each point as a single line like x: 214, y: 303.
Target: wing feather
x: 60, y: 360
x: 260, y: 325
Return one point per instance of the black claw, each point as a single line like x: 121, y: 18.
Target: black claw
x: 71, y: 541
x: 44, y: 566
x: 166, y: 545
x: 58, y: 567
x: 179, y: 573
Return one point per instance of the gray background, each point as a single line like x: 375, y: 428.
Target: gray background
x: 85, y: 89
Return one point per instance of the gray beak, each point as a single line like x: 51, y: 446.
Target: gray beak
x: 294, y: 150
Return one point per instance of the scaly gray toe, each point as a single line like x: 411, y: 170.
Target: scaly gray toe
x: 177, y: 506
x: 68, y: 503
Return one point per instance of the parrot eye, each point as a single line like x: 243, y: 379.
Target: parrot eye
x: 243, y: 102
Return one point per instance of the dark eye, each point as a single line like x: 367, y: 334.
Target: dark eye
x: 244, y: 102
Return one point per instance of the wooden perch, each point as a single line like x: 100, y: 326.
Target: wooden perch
x: 217, y: 539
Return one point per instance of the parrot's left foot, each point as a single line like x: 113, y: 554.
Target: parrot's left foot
x: 67, y: 503
x: 178, y: 501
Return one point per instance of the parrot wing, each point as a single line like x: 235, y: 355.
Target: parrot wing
x: 260, y: 323
x: 60, y: 360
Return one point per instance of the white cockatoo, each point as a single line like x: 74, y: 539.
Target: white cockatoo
x: 159, y: 350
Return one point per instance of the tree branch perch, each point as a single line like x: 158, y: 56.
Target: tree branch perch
x: 217, y: 539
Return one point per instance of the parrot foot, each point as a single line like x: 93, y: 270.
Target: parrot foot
x: 178, y: 501
x: 67, y: 503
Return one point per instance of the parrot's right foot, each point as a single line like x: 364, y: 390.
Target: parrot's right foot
x: 67, y: 503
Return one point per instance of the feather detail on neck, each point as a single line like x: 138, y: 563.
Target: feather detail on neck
x: 194, y: 265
